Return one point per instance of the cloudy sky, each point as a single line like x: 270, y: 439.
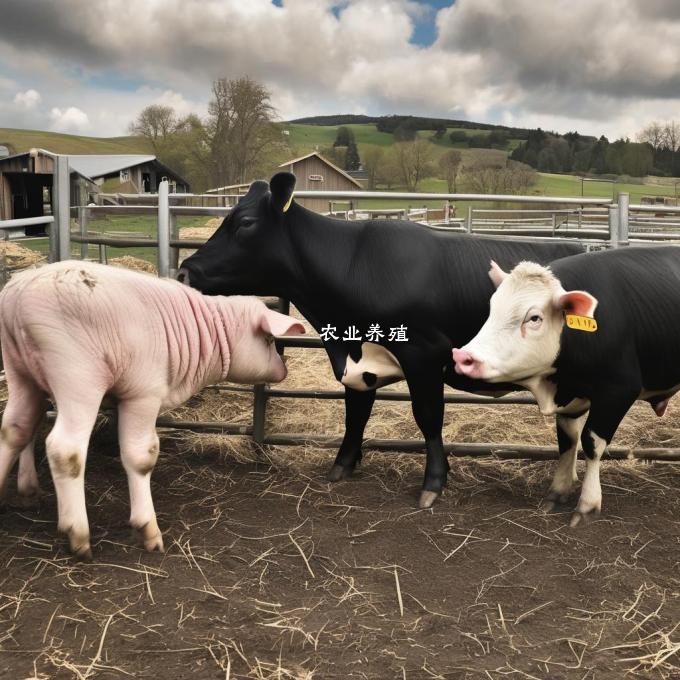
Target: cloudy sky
x: 597, y: 66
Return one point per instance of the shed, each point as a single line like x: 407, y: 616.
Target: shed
x: 316, y: 173
x: 26, y: 180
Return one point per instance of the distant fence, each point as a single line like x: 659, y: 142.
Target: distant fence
x: 597, y: 222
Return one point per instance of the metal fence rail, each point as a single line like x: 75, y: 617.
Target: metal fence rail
x: 599, y: 222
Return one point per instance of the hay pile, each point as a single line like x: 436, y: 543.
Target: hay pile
x: 135, y: 263
x: 15, y: 256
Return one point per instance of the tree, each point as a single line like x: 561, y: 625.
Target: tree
x: 239, y: 129
x: 343, y: 137
x: 155, y: 123
x: 439, y: 131
x: 413, y: 159
x: 653, y: 134
x: 374, y: 157
x: 405, y: 133
x: 352, y: 160
x: 495, y: 178
x: 389, y: 172
x: 457, y: 136
x: 450, y: 164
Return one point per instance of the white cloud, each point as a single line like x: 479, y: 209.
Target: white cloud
x: 71, y: 119
x: 562, y: 64
x: 28, y: 99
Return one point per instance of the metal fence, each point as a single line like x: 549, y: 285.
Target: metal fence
x: 597, y: 222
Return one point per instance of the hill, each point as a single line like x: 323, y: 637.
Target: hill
x: 390, y: 123
x: 20, y: 141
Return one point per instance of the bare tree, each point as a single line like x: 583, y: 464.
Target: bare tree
x: 240, y: 129
x: 450, y: 165
x: 156, y: 123
x: 374, y: 157
x: 414, y: 160
x: 653, y: 135
x: 671, y: 135
x: 494, y: 178
x: 389, y: 170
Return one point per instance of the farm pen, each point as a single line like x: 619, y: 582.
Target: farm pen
x: 612, y: 232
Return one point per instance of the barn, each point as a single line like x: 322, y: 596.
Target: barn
x: 26, y: 179
x: 316, y: 173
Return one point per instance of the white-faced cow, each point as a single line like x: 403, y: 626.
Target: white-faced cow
x: 76, y: 331
x: 588, y: 336
x: 384, y: 273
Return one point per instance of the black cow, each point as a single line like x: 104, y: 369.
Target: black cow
x: 588, y: 337
x: 393, y: 274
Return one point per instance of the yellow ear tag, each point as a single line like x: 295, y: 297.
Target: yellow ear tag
x: 290, y: 200
x: 581, y: 323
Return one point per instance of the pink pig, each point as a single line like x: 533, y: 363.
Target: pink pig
x: 76, y: 331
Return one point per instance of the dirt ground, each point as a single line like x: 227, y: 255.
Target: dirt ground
x: 272, y: 572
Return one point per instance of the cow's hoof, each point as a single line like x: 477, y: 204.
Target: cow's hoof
x: 338, y: 472
x: 427, y: 499
x: 583, y: 517
x: 553, y: 499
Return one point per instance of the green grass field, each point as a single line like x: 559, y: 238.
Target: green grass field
x: 306, y: 138
x: 20, y: 141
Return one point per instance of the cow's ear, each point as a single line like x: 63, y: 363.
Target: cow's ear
x: 274, y: 323
x: 282, y: 185
x: 577, y: 302
x: 496, y: 274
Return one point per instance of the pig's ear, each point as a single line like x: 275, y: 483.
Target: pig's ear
x: 496, y: 274
x: 575, y: 302
x: 274, y: 323
x: 282, y: 185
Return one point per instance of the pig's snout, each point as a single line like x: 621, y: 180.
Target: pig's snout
x: 467, y: 364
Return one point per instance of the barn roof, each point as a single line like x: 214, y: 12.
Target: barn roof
x: 94, y: 165
x: 326, y: 161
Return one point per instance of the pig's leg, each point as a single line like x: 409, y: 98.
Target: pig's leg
x: 27, y: 479
x: 568, y: 435
x: 19, y: 421
x: 66, y: 453
x: 139, y: 452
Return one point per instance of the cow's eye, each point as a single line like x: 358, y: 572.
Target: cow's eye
x: 533, y: 320
x: 247, y: 222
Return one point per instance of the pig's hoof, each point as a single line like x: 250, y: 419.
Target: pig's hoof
x: 154, y: 544
x: 338, y: 472
x: 148, y: 535
x: 83, y: 553
x: 427, y: 499
x: 29, y: 501
x: 583, y: 517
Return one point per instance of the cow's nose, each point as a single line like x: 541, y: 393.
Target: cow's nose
x: 466, y: 363
x: 183, y: 276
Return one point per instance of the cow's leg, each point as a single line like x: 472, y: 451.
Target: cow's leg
x: 568, y: 435
x: 66, y: 448
x: 19, y: 422
x: 358, y: 406
x: 139, y: 452
x: 606, y: 413
x: 426, y: 385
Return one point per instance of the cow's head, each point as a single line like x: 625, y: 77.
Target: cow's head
x: 521, y: 337
x: 244, y: 255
